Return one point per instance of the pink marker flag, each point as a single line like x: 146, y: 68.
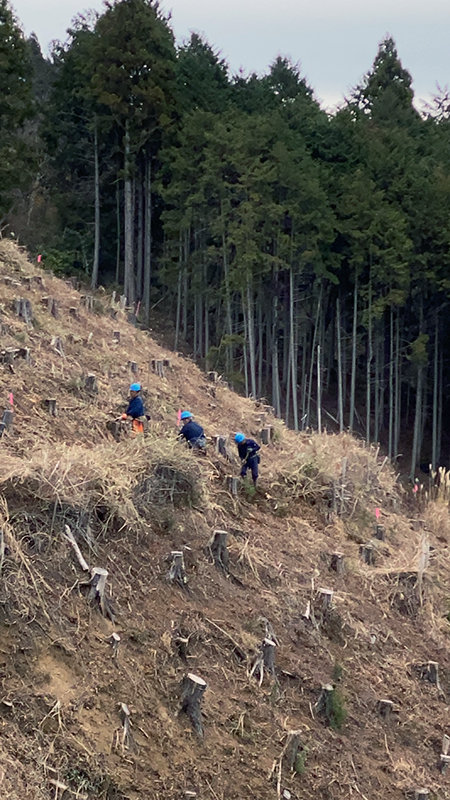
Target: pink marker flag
x: 179, y: 415
x: 416, y: 488
x: 11, y: 398
x: 39, y: 259
x: 377, y: 513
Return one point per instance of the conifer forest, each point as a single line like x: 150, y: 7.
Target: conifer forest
x: 303, y: 255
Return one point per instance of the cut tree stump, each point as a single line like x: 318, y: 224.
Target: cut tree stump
x: 123, y: 738
x: 232, y: 485
x: 264, y: 660
x: 445, y: 744
x: 90, y: 384
x: 422, y: 794
x: 133, y: 367
x: 218, y: 549
x: 291, y: 748
x: 337, y: 563
x: 97, y: 591
x: 52, y: 406
x: 116, y: 336
x: 177, y: 572
x: 7, y: 421
x: 57, y: 345
x: 167, y: 364
x: 444, y: 762
x: 88, y: 302
x: 379, y: 532
x: 212, y: 376
x: 324, y: 701
x: 324, y: 600
x: 23, y: 309
x: 220, y: 444
x: 73, y: 312
x: 367, y: 554
x: 158, y: 367
x: 123, y: 302
x: 385, y: 708
x: 430, y: 672
x: 266, y: 435
x: 114, y: 641
x: 192, y: 691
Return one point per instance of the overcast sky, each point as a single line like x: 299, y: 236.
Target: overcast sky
x: 335, y: 41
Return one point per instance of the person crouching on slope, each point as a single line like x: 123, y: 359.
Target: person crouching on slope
x: 192, y: 432
x: 135, y: 410
x: 248, y: 453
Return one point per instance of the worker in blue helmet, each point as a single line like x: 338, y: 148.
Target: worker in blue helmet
x: 248, y: 453
x: 192, y: 432
x: 135, y: 410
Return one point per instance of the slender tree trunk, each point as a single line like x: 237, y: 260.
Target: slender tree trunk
x: 339, y: 359
x: 260, y: 343
x: 398, y: 387
x: 313, y: 349
x: 319, y: 390
x: 418, y: 410
x: 147, y: 237
x: 118, y: 231
x: 353, y: 373
x: 434, y: 436
x: 293, y: 349
x: 187, y: 239
x: 140, y: 238
x: 276, y: 396
x: 304, y: 381
x: 129, y: 224
x: 368, y: 366
x: 251, y: 338
x: 440, y: 400
x: 180, y: 272
x: 391, y: 383
x: 226, y: 277
x: 96, y: 260
x: 245, y: 350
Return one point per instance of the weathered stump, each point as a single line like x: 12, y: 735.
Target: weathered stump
x: 97, y: 591
x: 7, y: 421
x: 116, y: 336
x: 422, y: 794
x: 444, y: 762
x: 385, y: 708
x: 88, y: 302
x: 232, y: 485
x: 123, y: 738
x: 90, y: 384
x: 291, y: 748
x: 23, y: 309
x: 324, y: 600
x: 133, y: 367
x: 264, y: 660
x: 445, y: 744
x: 379, y: 532
x: 57, y: 345
x: 123, y: 302
x: 220, y: 444
x: 114, y: 641
x: 266, y: 435
x: 73, y: 312
x: 177, y: 572
x: 158, y: 367
x: 367, y: 554
x: 115, y: 427
x: 430, y: 672
x: 192, y: 691
x: 337, y: 563
x: 52, y: 407
x: 218, y: 549
x: 212, y: 376
x: 167, y: 364
x: 325, y: 697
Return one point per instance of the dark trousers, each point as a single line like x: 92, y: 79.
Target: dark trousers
x: 251, y: 463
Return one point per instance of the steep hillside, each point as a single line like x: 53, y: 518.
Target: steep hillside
x: 88, y: 715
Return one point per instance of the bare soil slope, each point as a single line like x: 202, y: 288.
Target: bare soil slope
x: 129, y: 504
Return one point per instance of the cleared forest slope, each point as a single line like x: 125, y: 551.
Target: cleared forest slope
x: 129, y: 504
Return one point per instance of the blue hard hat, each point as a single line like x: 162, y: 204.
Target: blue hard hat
x: 239, y: 438
x: 186, y: 414
x: 135, y: 387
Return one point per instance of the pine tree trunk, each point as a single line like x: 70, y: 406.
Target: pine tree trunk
x: 398, y: 387
x: 140, y: 238
x: 128, y: 223
x: 293, y: 349
x: 180, y: 272
x: 434, y: 436
x: 319, y: 390
x: 313, y: 350
x: 228, y: 320
x: 339, y: 359
x: 368, y: 366
x: 417, y: 423
x: 391, y: 383
x: 276, y: 396
x: 251, y: 339
x: 353, y: 373
x: 118, y: 231
x: 147, y: 237
x: 96, y: 260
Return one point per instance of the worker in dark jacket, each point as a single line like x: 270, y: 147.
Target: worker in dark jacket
x: 135, y: 410
x: 248, y: 453
x: 192, y: 431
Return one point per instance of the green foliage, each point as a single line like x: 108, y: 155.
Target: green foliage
x: 335, y: 710
x: 300, y: 762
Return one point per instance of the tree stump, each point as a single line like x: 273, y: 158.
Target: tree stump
x: 291, y: 748
x: 90, y: 384
x: 431, y: 672
x: 57, y: 345
x: 337, y: 563
x: 53, y: 307
x: 114, y: 641
x: 123, y: 738
x: 218, y: 549
x: 212, y: 376
x: 324, y: 600
x: 422, y: 794
x: 23, y: 309
x: 192, y: 691
x: 116, y: 427
x: 52, y: 406
x: 38, y: 279
x: 177, y: 572
x: 123, y: 302
x: 167, y: 364
x: 97, y: 591
x: 266, y: 435
x: 268, y: 650
x: 379, y: 532
x: 133, y: 367
x: 88, y: 302
x: 232, y: 485
x: 367, y: 554
x: 324, y: 701
x: 158, y: 367
x: 444, y: 762
x: 445, y: 744
x: 220, y: 444
x: 385, y: 708
x: 73, y: 312
x: 7, y: 421
x: 116, y: 336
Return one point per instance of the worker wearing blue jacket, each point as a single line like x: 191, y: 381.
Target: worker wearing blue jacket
x: 248, y: 453
x: 192, y: 431
x: 135, y: 410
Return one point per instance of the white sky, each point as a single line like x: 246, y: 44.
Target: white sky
x: 335, y: 41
